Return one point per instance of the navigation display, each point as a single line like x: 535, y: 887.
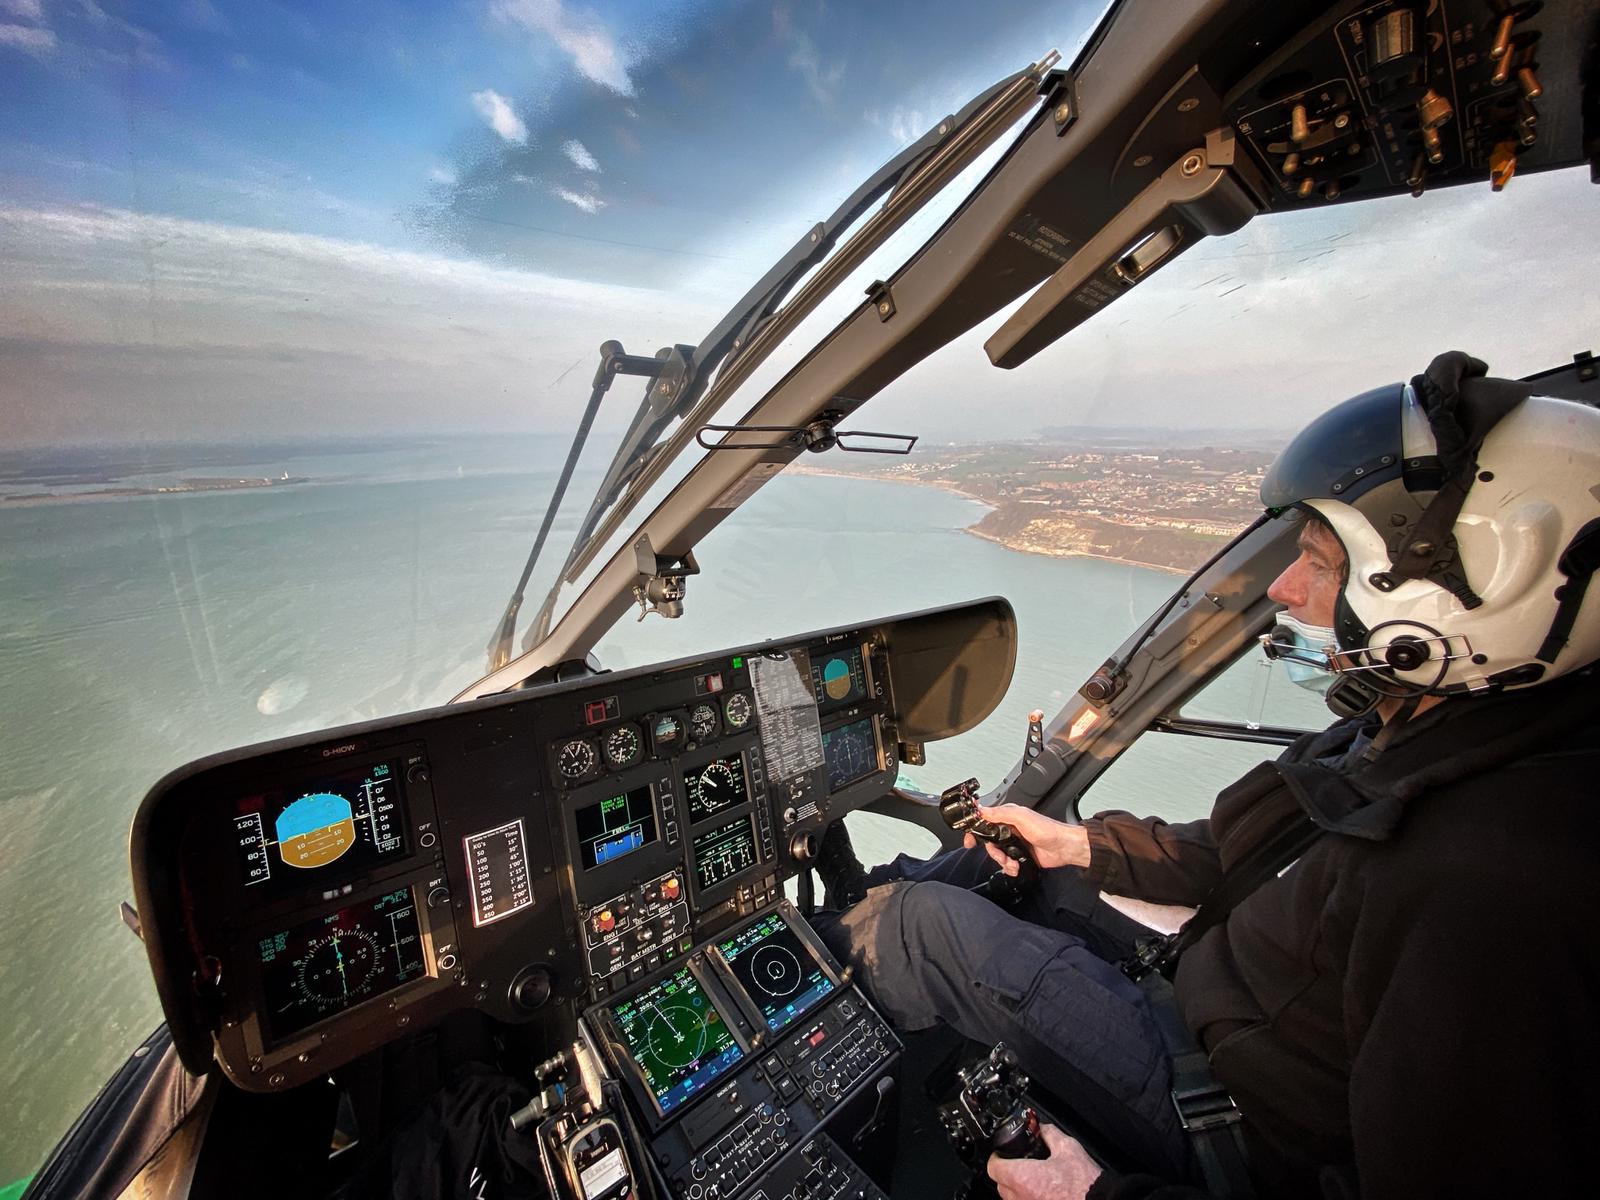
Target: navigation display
x: 617, y: 825
x: 335, y: 962
x: 851, y: 752
x: 355, y: 819
x: 838, y: 679
x: 777, y: 969
x: 718, y: 785
x: 678, y: 1040
x: 723, y: 851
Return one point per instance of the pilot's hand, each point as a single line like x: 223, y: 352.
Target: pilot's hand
x: 1055, y: 843
x: 1067, y: 1174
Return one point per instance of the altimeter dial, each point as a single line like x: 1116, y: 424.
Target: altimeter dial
x: 704, y: 722
x: 623, y: 746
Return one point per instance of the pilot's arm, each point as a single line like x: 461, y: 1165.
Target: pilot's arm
x: 1144, y: 858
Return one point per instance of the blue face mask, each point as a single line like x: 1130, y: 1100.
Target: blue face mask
x: 1304, y: 656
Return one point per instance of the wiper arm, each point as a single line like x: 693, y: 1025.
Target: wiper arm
x: 751, y: 329
x: 613, y: 362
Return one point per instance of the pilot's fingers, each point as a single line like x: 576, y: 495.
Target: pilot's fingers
x: 1007, y: 864
x: 968, y: 841
x: 1014, y: 815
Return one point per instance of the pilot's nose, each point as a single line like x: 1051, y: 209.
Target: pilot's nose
x: 1290, y: 588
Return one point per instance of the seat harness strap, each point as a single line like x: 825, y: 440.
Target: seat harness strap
x: 1207, y: 1113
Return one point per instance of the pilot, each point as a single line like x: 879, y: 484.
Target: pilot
x: 1399, y: 991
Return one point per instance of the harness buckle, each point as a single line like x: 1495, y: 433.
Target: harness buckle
x: 1204, y: 1106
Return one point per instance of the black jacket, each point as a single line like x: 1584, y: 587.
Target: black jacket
x: 1414, y: 1007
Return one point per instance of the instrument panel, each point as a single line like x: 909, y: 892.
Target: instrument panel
x: 534, y: 854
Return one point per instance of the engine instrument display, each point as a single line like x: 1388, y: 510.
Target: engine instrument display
x: 354, y: 818
x: 779, y: 971
x: 617, y: 825
x: 838, y: 678
x: 675, y: 1036
x: 718, y: 785
x: 337, y: 961
x: 722, y: 851
x: 851, y: 752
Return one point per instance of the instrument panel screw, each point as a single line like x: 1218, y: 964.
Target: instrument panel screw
x: 1144, y: 160
x: 1188, y: 105
x: 1063, y: 111
x: 1191, y: 164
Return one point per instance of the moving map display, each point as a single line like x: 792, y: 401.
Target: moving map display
x: 327, y: 965
x: 779, y: 971
x: 355, y: 819
x: 617, y: 825
x: 675, y: 1036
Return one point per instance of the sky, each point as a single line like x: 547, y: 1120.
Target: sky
x: 230, y: 220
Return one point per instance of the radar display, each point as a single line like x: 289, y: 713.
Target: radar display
x: 675, y: 1036
x: 355, y: 818
x: 779, y: 971
x: 328, y: 965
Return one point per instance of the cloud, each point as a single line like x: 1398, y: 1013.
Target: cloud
x: 502, y: 118
x: 116, y: 324
x: 442, y: 175
x: 904, y: 125
x: 805, y: 59
x: 27, y: 37
x: 579, y: 154
x: 27, y: 10
x: 583, y: 36
x: 589, y: 204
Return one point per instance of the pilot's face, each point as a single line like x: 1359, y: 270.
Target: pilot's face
x: 1309, y: 586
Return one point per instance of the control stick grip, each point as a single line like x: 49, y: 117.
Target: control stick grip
x: 958, y: 808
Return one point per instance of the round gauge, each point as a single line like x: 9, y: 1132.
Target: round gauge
x: 718, y: 787
x: 338, y: 965
x: 576, y: 759
x: 703, y: 722
x: 737, y: 707
x: 666, y: 732
x: 623, y: 746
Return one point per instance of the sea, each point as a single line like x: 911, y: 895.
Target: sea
x: 140, y: 632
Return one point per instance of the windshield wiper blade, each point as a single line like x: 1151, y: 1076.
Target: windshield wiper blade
x: 681, y: 392
x: 613, y: 362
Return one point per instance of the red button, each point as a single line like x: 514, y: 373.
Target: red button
x: 594, y: 712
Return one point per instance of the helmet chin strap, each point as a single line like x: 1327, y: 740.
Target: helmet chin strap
x: 1392, y: 727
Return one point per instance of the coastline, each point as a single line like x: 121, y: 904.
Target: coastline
x: 1016, y: 545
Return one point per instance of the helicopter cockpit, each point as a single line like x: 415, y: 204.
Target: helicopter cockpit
x: 606, y: 877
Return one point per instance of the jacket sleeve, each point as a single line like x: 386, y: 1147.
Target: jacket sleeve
x: 1149, y: 859
x: 1471, y: 1015
x: 1112, y: 1186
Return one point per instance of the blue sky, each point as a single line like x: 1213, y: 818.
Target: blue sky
x: 231, y: 218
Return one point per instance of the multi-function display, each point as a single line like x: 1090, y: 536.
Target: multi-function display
x: 327, y: 965
x: 838, y: 679
x: 779, y: 971
x: 851, y: 752
x: 718, y: 785
x: 722, y: 851
x: 676, y: 1037
x: 332, y: 826
x: 615, y: 826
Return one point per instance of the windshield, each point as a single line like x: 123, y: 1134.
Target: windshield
x: 303, y: 310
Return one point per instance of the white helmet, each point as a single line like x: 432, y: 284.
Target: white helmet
x: 1469, y: 512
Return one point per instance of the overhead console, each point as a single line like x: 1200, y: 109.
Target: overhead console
x: 534, y: 854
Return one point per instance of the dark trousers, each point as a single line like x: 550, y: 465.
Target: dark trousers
x: 1041, y: 978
